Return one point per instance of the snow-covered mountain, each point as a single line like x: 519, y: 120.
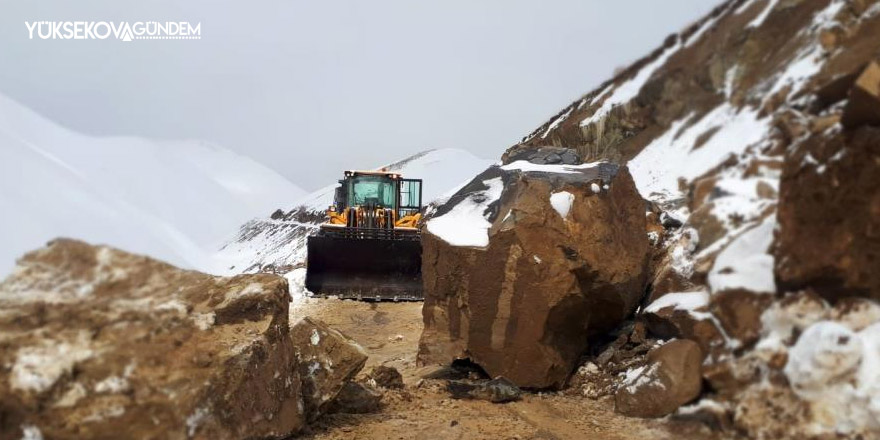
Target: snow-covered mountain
x: 176, y: 201
x: 278, y: 243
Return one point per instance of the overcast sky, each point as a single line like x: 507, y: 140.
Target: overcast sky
x: 312, y: 88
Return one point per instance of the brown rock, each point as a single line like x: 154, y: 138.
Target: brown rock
x: 765, y: 191
x: 524, y: 306
x: 702, y: 190
x: 863, y: 107
x: 668, y: 280
x: 386, y: 377
x: 739, y: 312
x: 821, y: 123
x: 327, y: 360
x: 100, y: 343
x: 828, y: 237
x: 670, y: 321
x: 709, y: 228
x: 498, y: 390
x: 828, y: 39
x: 670, y: 379
x: 356, y: 398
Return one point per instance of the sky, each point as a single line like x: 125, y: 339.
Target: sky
x: 313, y: 88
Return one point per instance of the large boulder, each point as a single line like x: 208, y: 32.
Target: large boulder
x: 527, y: 261
x: 99, y: 343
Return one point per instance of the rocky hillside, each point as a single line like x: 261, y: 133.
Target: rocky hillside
x: 174, y: 200
x: 278, y: 244
x: 753, y: 137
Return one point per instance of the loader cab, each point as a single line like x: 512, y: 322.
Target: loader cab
x: 379, y: 189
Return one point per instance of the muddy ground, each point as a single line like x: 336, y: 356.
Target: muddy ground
x: 390, y: 334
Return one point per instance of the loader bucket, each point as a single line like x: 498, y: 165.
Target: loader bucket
x: 364, y: 269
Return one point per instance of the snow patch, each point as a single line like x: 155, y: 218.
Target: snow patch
x: 526, y: 166
x: 38, y: 368
x: 746, y: 262
x: 625, y: 92
x: 556, y: 122
x: 561, y: 201
x: 466, y: 224
x: 674, y: 155
x: 31, y: 432
x: 687, y: 301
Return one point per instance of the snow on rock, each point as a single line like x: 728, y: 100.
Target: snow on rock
x: 687, y: 301
x: 467, y: 224
x: 625, y: 92
x: 746, y: 262
x: 526, y: 166
x: 675, y: 155
x: 561, y: 201
x: 37, y: 368
x: 172, y: 200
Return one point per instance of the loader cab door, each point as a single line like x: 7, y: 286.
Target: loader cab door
x: 410, y: 197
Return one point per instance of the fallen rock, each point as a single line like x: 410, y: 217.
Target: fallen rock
x: 670, y: 379
x: 100, y: 343
x: 327, y: 360
x: 386, y: 377
x: 739, y: 312
x: 356, y: 398
x: 684, y: 315
x: 498, y: 390
x: 863, y: 106
x: 517, y: 273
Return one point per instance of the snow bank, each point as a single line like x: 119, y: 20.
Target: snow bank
x: 466, y: 224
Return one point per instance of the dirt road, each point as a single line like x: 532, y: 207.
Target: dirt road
x: 390, y: 333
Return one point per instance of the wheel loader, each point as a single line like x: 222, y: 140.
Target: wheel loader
x: 370, y: 246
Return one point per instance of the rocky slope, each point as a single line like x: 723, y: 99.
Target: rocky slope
x: 753, y: 137
x: 278, y: 244
x: 174, y: 200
